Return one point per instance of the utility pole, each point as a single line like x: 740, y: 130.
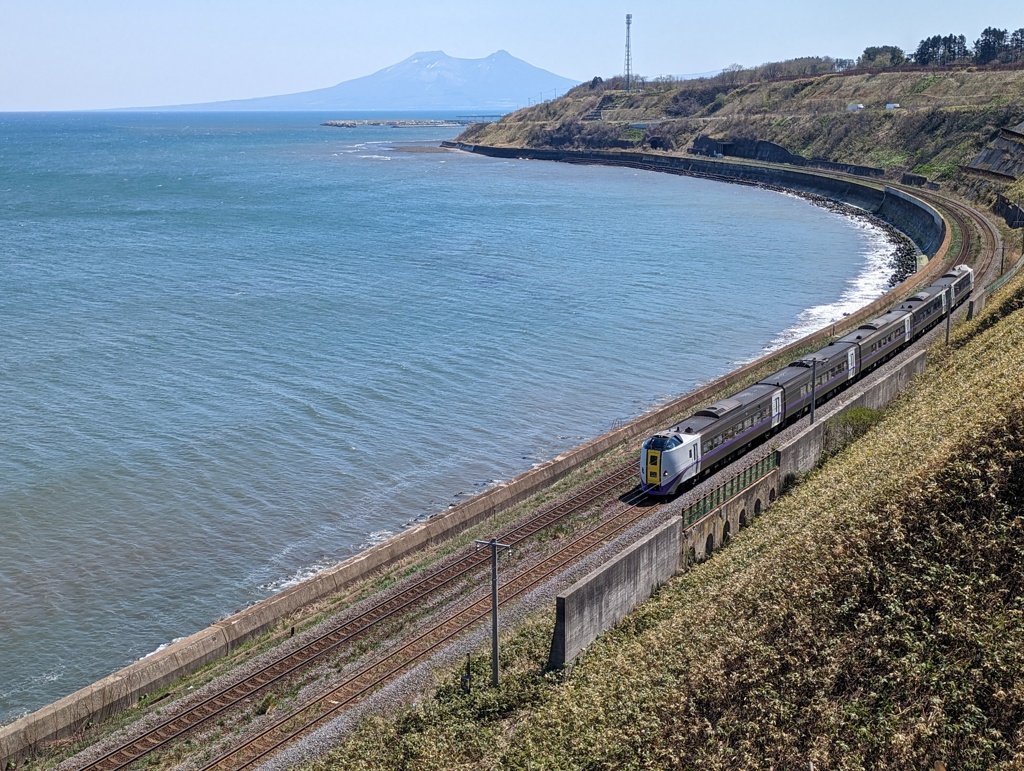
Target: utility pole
x: 949, y: 313
x: 814, y: 386
x: 1019, y: 224
x: 494, y: 546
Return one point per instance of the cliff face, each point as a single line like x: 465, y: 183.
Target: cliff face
x: 943, y: 119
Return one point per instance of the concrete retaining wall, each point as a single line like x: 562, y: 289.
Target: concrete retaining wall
x: 125, y: 687
x: 801, y: 454
x: 109, y: 695
x: 597, y: 602
x: 915, y: 218
x: 713, y: 531
x: 606, y: 596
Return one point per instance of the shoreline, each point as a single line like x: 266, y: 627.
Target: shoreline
x: 202, y: 647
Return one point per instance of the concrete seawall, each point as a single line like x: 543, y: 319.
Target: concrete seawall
x: 909, y: 215
x: 124, y: 688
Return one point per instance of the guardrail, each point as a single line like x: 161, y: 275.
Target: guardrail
x: 737, y: 484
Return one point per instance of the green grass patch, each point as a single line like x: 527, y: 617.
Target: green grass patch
x: 937, y: 169
x: 889, y: 158
x: 923, y: 84
x: 845, y: 428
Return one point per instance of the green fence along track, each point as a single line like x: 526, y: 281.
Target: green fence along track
x: 724, y: 492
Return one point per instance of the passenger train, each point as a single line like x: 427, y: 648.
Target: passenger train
x: 721, y: 432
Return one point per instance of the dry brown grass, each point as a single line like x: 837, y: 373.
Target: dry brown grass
x: 874, y: 618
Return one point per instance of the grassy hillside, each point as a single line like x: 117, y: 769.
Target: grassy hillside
x: 945, y: 117
x: 872, y: 618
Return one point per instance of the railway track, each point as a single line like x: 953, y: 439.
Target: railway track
x: 342, y: 636
x: 970, y: 221
x: 404, y: 602
x: 417, y: 647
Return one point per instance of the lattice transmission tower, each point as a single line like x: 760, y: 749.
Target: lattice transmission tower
x: 629, y: 55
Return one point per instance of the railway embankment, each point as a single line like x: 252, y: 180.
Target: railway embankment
x: 124, y: 688
x: 872, y: 618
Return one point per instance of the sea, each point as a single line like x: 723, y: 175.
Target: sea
x: 236, y: 349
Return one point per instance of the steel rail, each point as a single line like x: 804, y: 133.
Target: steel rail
x: 324, y: 707
x: 176, y: 726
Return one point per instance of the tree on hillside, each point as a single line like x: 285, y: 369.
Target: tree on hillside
x: 1015, y: 48
x: 769, y: 71
x: 927, y: 51
x: 880, y: 57
x: 808, y: 65
x: 941, y: 50
x: 990, y: 46
x: 731, y: 74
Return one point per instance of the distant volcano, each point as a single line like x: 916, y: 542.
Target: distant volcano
x: 430, y: 80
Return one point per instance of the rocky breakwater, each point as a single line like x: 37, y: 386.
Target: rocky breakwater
x: 396, y: 123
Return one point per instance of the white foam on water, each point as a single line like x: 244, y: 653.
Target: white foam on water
x: 375, y: 538
x: 868, y: 285
x: 161, y: 647
x: 310, y: 571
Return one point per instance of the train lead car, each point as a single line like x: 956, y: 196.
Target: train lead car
x: 723, y: 431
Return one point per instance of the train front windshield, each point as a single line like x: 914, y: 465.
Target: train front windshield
x: 662, y: 443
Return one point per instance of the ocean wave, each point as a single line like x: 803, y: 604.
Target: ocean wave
x: 296, y: 578
x: 161, y: 647
x: 868, y: 285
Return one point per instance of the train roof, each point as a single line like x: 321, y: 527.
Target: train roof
x: 736, y: 401
x: 882, y: 323
x: 786, y: 376
x: 835, y: 350
x: 895, y: 316
x: 693, y: 424
x: 923, y: 296
x: 954, y: 276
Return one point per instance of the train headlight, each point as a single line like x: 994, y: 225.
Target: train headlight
x: 664, y: 473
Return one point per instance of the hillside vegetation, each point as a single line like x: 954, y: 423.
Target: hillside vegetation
x: 945, y: 116
x: 872, y: 618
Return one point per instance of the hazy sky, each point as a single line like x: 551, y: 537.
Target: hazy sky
x: 85, y: 54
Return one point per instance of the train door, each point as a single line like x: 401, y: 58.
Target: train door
x: 652, y: 467
x: 776, y: 408
x: 906, y: 327
x: 851, y: 361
